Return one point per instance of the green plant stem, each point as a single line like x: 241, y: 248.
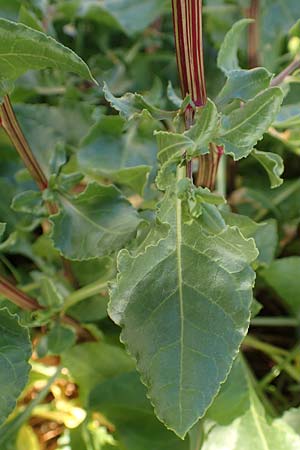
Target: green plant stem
x: 19, y: 298
x: 264, y: 347
x: 277, y: 354
x: 222, y: 177
x: 13, y: 130
x: 196, y: 436
x: 9, y: 429
x: 276, y: 370
x: 286, y: 72
x: 275, y: 322
x: 83, y: 293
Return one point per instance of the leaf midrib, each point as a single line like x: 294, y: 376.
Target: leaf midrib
x: 180, y: 292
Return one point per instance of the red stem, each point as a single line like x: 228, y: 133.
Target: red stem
x: 253, y: 42
x: 12, y: 128
x: 19, y: 298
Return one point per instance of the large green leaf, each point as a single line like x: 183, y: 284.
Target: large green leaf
x: 184, y: 307
x: 243, y: 128
x: 109, y: 153
x: 283, y: 277
x: 15, y: 351
x: 93, y: 224
x: 22, y: 49
x: 123, y: 401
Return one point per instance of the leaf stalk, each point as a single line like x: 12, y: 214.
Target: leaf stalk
x: 11, y: 126
x: 19, y: 298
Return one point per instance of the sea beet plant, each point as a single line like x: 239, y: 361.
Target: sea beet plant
x: 162, y: 214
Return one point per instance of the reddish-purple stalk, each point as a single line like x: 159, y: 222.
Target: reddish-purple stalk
x: 253, y: 41
x: 187, y: 22
x: 11, y: 126
x: 19, y: 298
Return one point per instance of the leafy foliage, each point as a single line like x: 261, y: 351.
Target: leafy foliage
x: 176, y: 221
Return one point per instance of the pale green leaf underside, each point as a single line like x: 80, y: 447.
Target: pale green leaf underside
x: 243, y: 128
x: 273, y: 164
x: 15, y: 351
x: 22, y: 49
x: 95, y: 223
x: 184, y: 306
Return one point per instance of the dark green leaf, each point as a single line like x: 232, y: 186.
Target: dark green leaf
x: 283, y: 277
x: 15, y: 351
x: 123, y: 401
x: 93, y: 224
x: 60, y: 338
x: 184, y: 305
x: 108, y: 153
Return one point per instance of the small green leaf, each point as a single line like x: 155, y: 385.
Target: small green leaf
x: 15, y: 351
x: 273, y: 164
x: 244, y: 85
x: 228, y: 57
x: 96, y: 222
x: 283, y: 277
x: 22, y: 49
x: 30, y: 202
x: 30, y: 19
x: 243, y: 128
x: 172, y: 146
x: 123, y: 401
x: 184, y: 306
x: 50, y: 296
x: 132, y: 105
x: 60, y: 338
